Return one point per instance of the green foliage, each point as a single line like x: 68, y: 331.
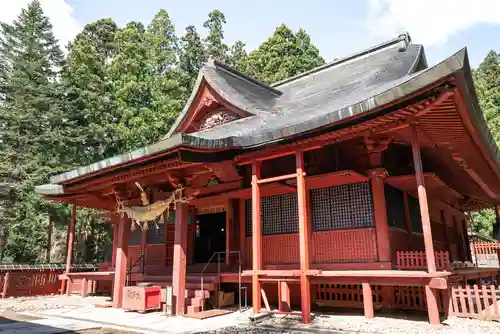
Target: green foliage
x: 192, y: 55
x: 283, y: 55
x: 487, y: 83
x: 215, y: 46
x: 33, y: 127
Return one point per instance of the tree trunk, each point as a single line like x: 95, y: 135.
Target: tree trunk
x: 50, y: 227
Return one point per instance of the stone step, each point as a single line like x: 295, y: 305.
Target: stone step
x: 192, y: 309
x: 189, y: 286
x: 194, y: 301
x: 204, y: 294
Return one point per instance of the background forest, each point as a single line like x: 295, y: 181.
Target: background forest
x: 116, y: 89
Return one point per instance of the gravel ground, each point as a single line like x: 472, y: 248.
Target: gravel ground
x: 246, y: 330
x: 384, y: 324
x: 340, y: 323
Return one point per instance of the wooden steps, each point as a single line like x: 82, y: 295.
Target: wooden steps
x: 196, y: 295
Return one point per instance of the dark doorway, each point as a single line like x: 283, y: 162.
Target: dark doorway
x: 210, y: 236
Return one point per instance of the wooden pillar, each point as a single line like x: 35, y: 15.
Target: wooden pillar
x: 179, y: 260
x: 432, y: 305
x: 380, y: 214
x: 71, y: 242
x: 284, y: 297
x: 408, y: 219
x: 256, y: 239
x: 304, y: 228
x: 422, y: 200
x: 447, y: 237
x: 243, y: 233
x: 228, y: 229
x: 115, y: 240
x: 368, y: 300
x: 121, y: 261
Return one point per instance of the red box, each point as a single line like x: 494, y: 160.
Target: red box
x: 141, y: 299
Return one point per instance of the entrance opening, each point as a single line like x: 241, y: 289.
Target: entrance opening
x: 210, y: 236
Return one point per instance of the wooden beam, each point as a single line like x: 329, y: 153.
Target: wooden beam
x: 380, y: 214
x: 71, y: 242
x: 305, y: 282
x: 368, y: 300
x: 179, y: 260
x: 256, y: 238
x: 121, y: 261
x: 422, y: 199
x: 264, y: 298
x: 277, y: 178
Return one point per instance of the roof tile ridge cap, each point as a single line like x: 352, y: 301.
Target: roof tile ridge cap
x: 416, y: 61
x: 234, y: 72
x: 403, y: 37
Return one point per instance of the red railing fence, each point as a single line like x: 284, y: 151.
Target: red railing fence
x: 416, y: 260
x: 481, y: 302
x: 33, y: 280
x: 487, y: 247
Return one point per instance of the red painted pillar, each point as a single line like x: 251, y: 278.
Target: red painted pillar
x: 430, y: 294
x: 305, y: 283
x: 179, y: 260
x: 256, y: 239
x: 115, y: 240
x: 408, y: 219
x: 368, y: 300
x: 380, y: 214
x: 121, y: 261
x: 432, y: 305
x: 284, y: 297
x: 228, y: 230
x: 422, y: 199
x: 71, y: 242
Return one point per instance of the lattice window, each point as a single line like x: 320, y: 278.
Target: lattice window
x: 280, y: 215
x: 156, y: 236
x: 135, y: 237
x: 342, y: 207
x: 395, y: 207
x: 415, y: 218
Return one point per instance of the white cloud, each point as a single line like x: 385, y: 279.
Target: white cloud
x: 65, y: 26
x: 429, y: 22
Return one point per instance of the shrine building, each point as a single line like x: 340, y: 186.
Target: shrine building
x: 350, y: 185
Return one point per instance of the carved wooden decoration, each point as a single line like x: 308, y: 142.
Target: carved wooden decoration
x: 217, y: 118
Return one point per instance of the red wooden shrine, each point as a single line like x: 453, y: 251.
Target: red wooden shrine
x: 347, y: 186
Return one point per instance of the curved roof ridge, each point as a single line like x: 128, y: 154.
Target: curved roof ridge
x: 234, y: 72
x: 403, y: 37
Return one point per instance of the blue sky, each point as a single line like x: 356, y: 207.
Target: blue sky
x: 337, y: 27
